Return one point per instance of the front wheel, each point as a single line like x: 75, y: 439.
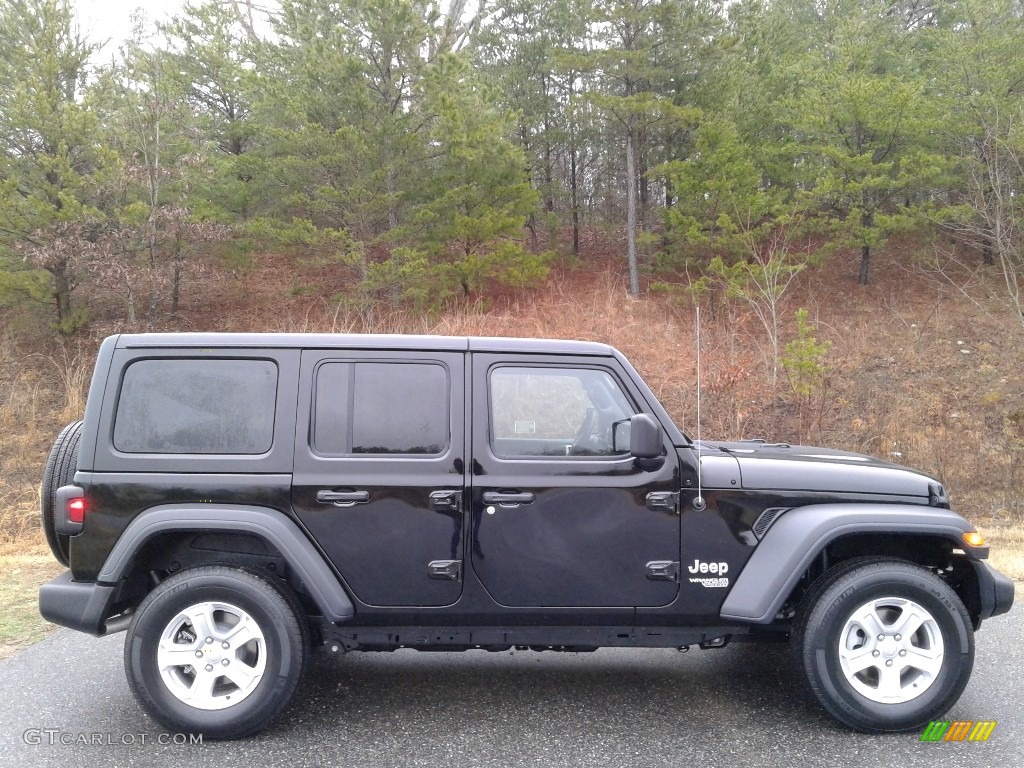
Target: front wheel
x: 216, y: 650
x: 884, y: 645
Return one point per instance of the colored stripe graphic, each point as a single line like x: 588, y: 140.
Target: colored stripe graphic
x: 935, y: 730
x: 959, y: 730
x: 982, y: 730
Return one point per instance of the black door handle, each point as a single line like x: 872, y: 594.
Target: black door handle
x: 343, y: 498
x: 500, y: 497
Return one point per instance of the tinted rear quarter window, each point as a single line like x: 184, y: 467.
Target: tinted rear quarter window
x: 197, y: 406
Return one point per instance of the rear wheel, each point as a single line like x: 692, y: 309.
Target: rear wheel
x: 60, y: 470
x: 884, y: 645
x: 217, y: 650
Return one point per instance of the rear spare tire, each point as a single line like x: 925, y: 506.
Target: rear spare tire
x: 60, y: 470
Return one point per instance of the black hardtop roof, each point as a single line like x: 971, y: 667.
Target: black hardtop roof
x: 360, y: 341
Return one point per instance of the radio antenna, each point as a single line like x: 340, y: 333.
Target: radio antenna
x: 698, y: 503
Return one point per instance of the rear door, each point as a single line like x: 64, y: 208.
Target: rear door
x: 563, y: 516
x: 379, y: 463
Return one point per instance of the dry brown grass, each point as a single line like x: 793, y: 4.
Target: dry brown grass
x: 23, y: 567
x: 24, y: 425
x: 40, y: 391
x: 73, y: 369
x: 1007, y: 546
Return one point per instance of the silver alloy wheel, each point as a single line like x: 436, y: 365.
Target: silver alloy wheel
x: 891, y: 650
x: 212, y: 655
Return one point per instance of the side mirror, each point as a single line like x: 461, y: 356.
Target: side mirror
x: 646, y: 438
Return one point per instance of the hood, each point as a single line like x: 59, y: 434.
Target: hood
x: 778, y: 466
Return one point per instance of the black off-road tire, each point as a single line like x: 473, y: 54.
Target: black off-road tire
x: 60, y: 470
x: 277, y: 620
x: 828, y: 636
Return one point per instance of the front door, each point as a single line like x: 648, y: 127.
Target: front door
x: 379, y: 471
x: 563, y: 516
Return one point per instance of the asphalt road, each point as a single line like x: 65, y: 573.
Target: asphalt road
x: 739, y: 706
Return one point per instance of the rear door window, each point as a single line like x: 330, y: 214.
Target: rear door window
x: 381, y: 408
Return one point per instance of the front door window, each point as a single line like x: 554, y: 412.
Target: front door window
x: 558, y: 412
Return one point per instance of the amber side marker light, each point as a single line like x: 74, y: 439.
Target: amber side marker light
x: 975, y: 539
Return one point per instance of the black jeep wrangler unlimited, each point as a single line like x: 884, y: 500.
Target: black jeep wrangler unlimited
x: 235, y: 500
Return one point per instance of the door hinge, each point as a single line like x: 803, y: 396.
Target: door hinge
x: 445, y: 501
x: 663, y: 570
x: 663, y: 500
x: 446, y: 569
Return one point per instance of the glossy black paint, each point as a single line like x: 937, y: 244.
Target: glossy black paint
x: 787, y: 549
x: 773, y: 467
x: 383, y: 547
x: 114, y: 499
x: 275, y: 541
x: 723, y: 532
x: 588, y: 535
x: 357, y: 341
x: 574, y: 556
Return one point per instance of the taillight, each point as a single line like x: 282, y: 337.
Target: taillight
x: 76, y: 509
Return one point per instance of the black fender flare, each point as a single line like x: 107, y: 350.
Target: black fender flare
x: 799, y: 535
x: 268, y: 524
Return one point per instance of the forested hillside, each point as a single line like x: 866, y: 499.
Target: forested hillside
x: 444, y: 150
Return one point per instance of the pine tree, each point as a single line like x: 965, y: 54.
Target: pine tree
x: 862, y: 118
x: 474, y: 196
x: 208, y: 55
x: 639, y: 51
x: 51, y: 151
